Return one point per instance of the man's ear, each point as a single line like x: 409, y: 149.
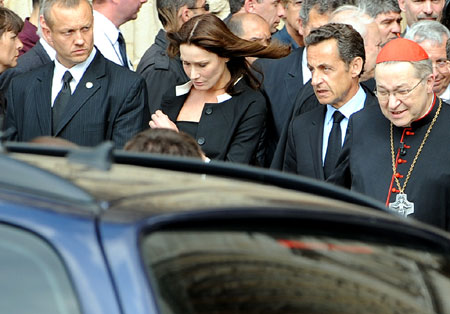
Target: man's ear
x: 46, y: 32
x: 356, y: 66
x: 430, y: 83
x: 249, y: 6
x: 401, y: 4
x: 300, y: 27
x: 184, y: 14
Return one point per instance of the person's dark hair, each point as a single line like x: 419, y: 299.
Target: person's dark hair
x: 168, y: 11
x: 164, y: 141
x: 445, y: 20
x: 322, y: 7
x: 376, y: 7
x: 48, y: 4
x: 9, y: 21
x: 349, y: 42
x: 235, y: 5
x: 210, y: 33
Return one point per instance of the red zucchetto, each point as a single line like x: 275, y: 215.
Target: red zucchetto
x: 401, y: 49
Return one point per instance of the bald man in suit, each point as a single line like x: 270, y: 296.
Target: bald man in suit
x: 104, y: 101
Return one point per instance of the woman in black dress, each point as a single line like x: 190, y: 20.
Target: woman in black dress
x: 221, y: 106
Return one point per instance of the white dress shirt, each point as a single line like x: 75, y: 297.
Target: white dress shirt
x: 105, y: 39
x: 445, y: 96
x: 305, y: 70
x: 77, y: 72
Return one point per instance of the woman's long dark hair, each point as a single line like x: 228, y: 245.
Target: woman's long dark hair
x: 210, y: 33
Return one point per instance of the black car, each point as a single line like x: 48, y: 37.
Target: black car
x: 97, y: 231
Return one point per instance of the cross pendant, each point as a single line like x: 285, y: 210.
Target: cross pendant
x: 402, y: 205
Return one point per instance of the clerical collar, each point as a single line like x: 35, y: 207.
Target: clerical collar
x: 428, y: 116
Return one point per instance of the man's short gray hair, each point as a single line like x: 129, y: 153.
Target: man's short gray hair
x: 354, y: 16
x: 47, y: 5
x: 428, y: 30
x: 376, y: 7
x: 422, y: 68
x: 322, y: 7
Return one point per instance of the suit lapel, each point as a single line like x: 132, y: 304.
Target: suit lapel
x: 90, y: 82
x: 171, y: 106
x: 43, y: 98
x: 316, y: 141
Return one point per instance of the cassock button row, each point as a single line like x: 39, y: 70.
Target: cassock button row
x: 401, y: 161
x: 201, y: 140
x: 398, y: 175
x: 394, y: 190
x: 409, y: 133
x: 208, y: 111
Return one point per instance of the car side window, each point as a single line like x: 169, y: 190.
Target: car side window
x: 33, y: 278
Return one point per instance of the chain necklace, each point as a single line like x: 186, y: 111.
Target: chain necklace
x: 401, y: 204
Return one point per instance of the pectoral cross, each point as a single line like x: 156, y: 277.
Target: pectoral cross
x: 402, y: 205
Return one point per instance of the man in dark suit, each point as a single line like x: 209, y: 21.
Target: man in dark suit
x: 336, y: 59
x: 159, y: 70
x: 81, y: 96
x: 285, y: 77
x: 397, y: 152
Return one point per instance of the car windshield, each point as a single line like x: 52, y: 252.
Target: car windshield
x: 201, y: 271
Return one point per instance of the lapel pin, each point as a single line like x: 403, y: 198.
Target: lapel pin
x: 89, y: 85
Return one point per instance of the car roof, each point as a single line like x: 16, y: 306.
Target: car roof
x: 137, y: 187
x: 157, y: 183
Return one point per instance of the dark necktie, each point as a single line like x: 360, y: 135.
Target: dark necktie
x: 334, y: 145
x: 61, y: 101
x: 123, y: 50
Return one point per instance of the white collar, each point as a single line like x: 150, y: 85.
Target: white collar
x: 108, y: 27
x: 186, y: 87
x: 353, y: 105
x: 77, y: 70
x: 48, y: 49
x: 445, y: 96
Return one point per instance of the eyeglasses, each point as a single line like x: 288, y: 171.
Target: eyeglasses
x: 440, y: 65
x: 205, y: 7
x: 401, y: 94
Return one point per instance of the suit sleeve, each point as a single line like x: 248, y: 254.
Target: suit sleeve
x: 133, y: 115
x: 290, y: 160
x: 158, y: 82
x: 10, y: 125
x: 246, y: 137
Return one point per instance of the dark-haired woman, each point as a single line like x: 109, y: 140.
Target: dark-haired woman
x: 221, y: 106
x: 10, y: 45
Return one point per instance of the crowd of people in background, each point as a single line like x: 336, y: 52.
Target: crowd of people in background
x: 340, y: 92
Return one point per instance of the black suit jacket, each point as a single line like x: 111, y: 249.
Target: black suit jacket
x: 160, y: 72
x: 229, y: 130
x: 303, y: 153
x: 109, y: 103
x: 283, y: 78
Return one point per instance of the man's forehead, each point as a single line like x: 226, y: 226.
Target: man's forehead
x: 317, y: 19
x: 394, y: 70
x: 423, y: 1
x: 391, y: 15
